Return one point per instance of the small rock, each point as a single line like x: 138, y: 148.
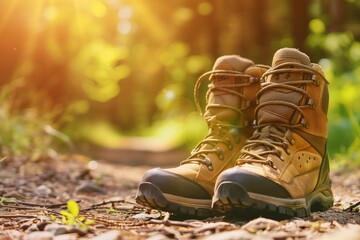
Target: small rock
x: 42, y: 225
x: 158, y: 236
x: 260, y: 224
x: 57, y: 229
x: 39, y: 236
x: 231, y: 235
x: 144, y: 216
x: 25, y: 225
x: 4, y: 237
x: 71, y: 236
x: 78, y: 231
x: 89, y: 187
x: 43, y: 191
x: 111, y: 235
x: 32, y: 228
x: 11, y: 234
x: 351, y: 231
x: 315, y: 216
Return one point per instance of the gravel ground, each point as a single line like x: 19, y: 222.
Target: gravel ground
x: 34, y: 196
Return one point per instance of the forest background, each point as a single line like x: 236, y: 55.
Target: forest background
x: 81, y: 73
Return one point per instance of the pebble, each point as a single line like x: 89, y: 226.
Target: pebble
x: 42, y: 225
x: 158, y: 236
x: 351, y: 231
x: 71, y: 236
x: 32, y: 228
x: 145, y: 216
x: 43, y: 191
x: 89, y: 187
x: 230, y: 235
x: 111, y: 235
x: 57, y: 229
x: 261, y: 224
x: 39, y: 236
x: 25, y: 225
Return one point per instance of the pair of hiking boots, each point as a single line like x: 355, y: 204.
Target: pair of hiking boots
x: 266, y: 145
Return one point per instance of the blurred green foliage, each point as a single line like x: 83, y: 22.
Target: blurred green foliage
x: 100, y: 70
x: 24, y: 132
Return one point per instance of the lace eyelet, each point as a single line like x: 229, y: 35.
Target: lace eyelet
x: 288, y: 151
x: 208, y: 163
x: 311, y: 104
x: 316, y: 80
x: 219, y: 153
x: 221, y: 156
x: 304, y: 123
x: 271, y: 164
x: 228, y: 144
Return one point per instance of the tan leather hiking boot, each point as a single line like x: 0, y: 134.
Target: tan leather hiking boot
x: 188, y: 188
x: 283, y: 167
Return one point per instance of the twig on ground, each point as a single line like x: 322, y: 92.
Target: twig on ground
x: 94, y: 206
x: 29, y: 208
x: 172, y: 223
x: 351, y: 208
x: 44, y: 205
x: 18, y: 216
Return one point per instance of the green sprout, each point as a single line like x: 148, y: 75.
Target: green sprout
x: 7, y: 200
x: 71, y: 216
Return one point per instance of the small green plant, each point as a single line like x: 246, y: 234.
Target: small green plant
x: 6, y: 200
x: 71, y: 216
x: 111, y: 210
x: 26, y: 131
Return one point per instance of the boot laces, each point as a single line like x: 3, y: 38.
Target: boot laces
x: 217, y: 128
x: 268, y: 137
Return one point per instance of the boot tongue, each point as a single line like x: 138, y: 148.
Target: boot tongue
x: 278, y: 113
x: 286, y: 55
x: 221, y: 97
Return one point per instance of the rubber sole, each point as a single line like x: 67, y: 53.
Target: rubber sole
x: 232, y: 197
x: 150, y: 195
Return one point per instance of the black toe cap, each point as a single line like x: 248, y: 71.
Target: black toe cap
x: 253, y: 183
x: 175, y: 184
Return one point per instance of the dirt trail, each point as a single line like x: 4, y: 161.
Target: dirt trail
x: 32, y: 194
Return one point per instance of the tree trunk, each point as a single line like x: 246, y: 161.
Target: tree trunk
x: 300, y: 22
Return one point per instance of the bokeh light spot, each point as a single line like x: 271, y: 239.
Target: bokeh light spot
x: 355, y: 51
x: 124, y: 27
x: 183, y: 14
x: 98, y: 9
x: 125, y: 12
x: 317, y: 26
x: 205, y: 8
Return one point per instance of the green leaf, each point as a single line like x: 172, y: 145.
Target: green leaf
x: 89, y: 222
x: 53, y: 218
x: 73, y: 208
x: 6, y: 200
x: 111, y: 210
x: 64, y: 219
x: 66, y: 214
